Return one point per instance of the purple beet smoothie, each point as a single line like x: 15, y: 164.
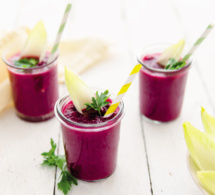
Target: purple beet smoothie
x: 91, y: 151
x: 161, y: 93
x: 34, y: 90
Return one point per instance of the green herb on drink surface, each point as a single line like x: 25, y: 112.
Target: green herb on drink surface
x: 98, y: 102
x: 175, y: 65
x: 51, y: 159
x: 26, y: 63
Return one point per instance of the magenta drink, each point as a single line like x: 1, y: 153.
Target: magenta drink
x: 34, y: 89
x: 161, y: 91
x: 90, y: 141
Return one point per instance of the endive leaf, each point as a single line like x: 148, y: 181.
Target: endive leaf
x: 201, y: 147
x: 35, y: 45
x: 172, y: 52
x: 79, y: 92
x: 208, y: 122
x: 207, y: 180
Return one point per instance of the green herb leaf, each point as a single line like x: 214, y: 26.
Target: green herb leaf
x: 51, y: 159
x: 33, y: 61
x: 26, y: 63
x: 66, y: 182
x: 174, y: 65
x: 98, y: 102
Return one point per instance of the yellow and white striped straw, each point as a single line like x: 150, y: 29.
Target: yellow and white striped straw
x: 199, y: 41
x: 123, y: 90
x: 60, y: 32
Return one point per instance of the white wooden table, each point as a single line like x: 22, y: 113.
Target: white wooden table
x: 151, y: 158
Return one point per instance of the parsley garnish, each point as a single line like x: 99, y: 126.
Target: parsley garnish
x: 66, y: 179
x: 26, y: 63
x: 174, y: 65
x: 98, y: 102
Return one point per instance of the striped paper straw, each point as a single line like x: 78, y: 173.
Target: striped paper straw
x: 60, y: 32
x: 199, y: 41
x: 123, y: 90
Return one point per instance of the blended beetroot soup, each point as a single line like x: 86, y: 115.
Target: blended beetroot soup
x: 34, y: 90
x: 91, y: 152
x: 161, y: 93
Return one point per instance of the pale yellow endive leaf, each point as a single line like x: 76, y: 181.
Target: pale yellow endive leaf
x: 201, y: 147
x: 173, y: 51
x: 36, y: 42
x: 78, y: 90
x: 207, y: 180
x: 208, y: 122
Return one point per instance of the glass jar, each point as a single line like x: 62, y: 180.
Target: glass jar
x: 34, y: 90
x: 161, y: 91
x: 90, y: 149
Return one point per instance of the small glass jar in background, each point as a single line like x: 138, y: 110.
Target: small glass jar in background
x: 161, y: 91
x: 34, y: 90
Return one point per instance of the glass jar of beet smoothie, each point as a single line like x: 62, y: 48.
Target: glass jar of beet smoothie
x: 161, y: 91
x: 34, y: 89
x: 90, y: 141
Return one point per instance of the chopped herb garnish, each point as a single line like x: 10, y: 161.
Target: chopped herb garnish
x: 98, y: 102
x: 174, y: 65
x: 26, y: 63
x: 66, y: 179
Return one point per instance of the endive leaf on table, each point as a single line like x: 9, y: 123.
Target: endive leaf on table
x: 208, y: 122
x: 207, y: 180
x: 201, y: 147
x: 35, y: 44
x: 172, y: 52
x: 79, y: 92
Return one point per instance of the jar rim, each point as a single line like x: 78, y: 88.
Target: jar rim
x: 143, y: 51
x: 83, y: 126
x: 31, y: 68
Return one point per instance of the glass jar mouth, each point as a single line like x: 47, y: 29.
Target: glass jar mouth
x: 82, y: 126
x: 154, y: 48
x: 31, y: 68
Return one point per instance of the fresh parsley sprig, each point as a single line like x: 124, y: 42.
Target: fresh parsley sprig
x: 174, y: 65
x: 66, y: 179
x: 98, y: 102
x: 26, y: 62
